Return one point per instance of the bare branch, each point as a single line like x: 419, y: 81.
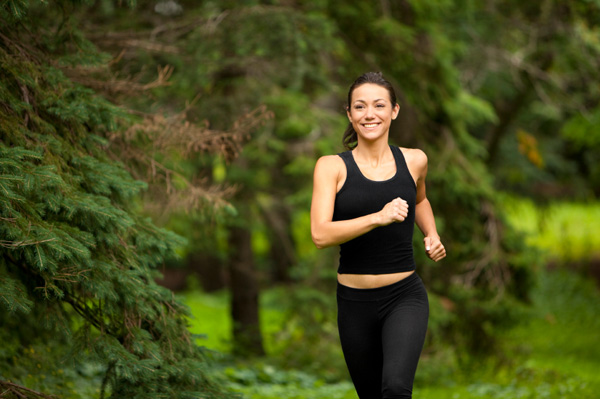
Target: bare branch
x: 84, y: 75
x: 139, y: 146
x: 21, y: 391
x: 16, y: 244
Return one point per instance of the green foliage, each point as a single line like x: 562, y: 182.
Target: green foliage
x: 582, y: 137
x: 14, y: 9
x: 542, y: 90
x: 264, y: 381
x: 308, y: 338
x: 78, y: 259
x: 581, y: 130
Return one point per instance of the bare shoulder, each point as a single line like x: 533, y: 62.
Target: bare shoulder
x: 415, y: 158
x: 329, y: 165
x: 329, y: 162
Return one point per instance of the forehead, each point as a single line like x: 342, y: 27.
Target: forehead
x: 370, y: 92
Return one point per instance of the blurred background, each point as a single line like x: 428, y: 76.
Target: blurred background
x: 223, y: 108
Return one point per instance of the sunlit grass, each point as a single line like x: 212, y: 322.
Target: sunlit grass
x: 211, y: 320
x: 566, y: 231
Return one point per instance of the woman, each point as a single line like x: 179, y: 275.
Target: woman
x: 367, y: 200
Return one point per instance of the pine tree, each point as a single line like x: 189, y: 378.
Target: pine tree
x: 81, y: 312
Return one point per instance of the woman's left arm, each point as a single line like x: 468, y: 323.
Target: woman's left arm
x: 423, y: 211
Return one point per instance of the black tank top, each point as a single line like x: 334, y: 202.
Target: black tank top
x: 385, y: 249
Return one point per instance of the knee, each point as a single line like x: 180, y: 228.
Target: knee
x: 397, y: 388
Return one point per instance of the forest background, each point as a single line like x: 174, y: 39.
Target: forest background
x: 156, y: 166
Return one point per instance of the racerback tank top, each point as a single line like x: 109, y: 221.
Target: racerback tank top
x: 385, y: 249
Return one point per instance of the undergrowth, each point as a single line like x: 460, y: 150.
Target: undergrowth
x: 552, y: 353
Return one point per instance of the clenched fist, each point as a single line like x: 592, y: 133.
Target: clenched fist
x: 434, y: 248
x: 394, y: 211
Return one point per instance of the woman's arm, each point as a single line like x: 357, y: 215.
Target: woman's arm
x: 325, y: 232
x: 423, y: 211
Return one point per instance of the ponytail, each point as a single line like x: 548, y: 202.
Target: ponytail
x: 350, y: 139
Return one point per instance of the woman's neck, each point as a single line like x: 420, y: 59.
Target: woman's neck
x: 372, y: 153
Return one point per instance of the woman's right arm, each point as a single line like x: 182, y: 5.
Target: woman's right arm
x: 325, y: 232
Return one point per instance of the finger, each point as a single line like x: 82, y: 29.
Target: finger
x: 440, y: 253
x: 400, y: 202
x: 436, y: 244
x: 427, y: 241
x: 433, y: 247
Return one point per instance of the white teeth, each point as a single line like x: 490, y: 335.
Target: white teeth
x: 370, y: 125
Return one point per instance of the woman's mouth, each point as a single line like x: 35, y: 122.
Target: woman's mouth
x: 370, y: 125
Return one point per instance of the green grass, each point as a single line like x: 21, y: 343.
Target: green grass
x: 210, y: 319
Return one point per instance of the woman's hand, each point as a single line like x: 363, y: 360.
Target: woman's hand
x: 394, y: 211
x: 434, y: 248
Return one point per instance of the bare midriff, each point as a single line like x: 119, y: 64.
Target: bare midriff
x: 371, y: 280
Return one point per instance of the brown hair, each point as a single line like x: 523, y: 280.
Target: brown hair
x: 350, y: 137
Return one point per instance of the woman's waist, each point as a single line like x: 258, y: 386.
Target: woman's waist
x: 368, y: 281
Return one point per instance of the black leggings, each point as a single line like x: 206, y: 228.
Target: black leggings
x: 382, y: 331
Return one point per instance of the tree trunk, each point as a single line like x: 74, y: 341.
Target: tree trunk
x: 247, y: 338
x: 210, y: 270
x: 283, y: 248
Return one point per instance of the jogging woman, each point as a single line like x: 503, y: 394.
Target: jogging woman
x: 367, y: 200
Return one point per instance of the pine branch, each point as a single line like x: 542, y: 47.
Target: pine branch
x: 23, y: 50
x: 87, y: 313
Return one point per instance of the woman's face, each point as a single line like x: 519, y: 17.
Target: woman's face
x: 371, y: 111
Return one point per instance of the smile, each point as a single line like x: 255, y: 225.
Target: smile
x: 370, y: 125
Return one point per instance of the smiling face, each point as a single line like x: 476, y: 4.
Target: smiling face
x: 371, y: 112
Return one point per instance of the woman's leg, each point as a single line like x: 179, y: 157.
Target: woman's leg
x: 403, y: 335
x: 360, y: 335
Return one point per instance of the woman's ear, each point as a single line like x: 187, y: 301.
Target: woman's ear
x: 395, y: 111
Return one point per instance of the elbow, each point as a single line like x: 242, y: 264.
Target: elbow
x: 318, y: 241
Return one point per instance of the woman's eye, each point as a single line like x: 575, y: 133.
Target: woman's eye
x: 380, y: 106
x: 358, y: 107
